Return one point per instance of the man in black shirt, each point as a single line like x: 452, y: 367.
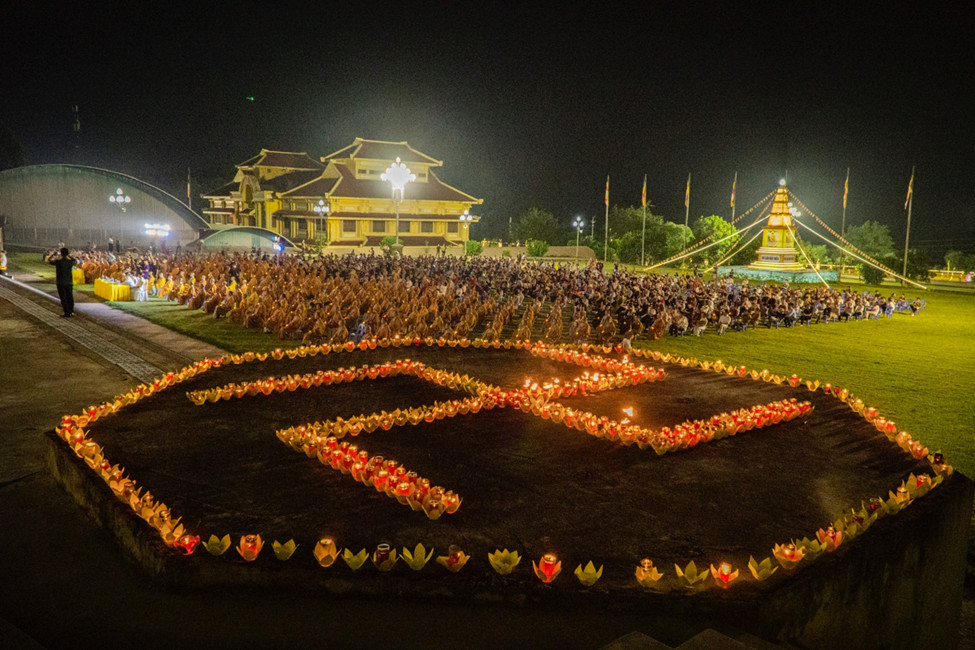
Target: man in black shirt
x: 63, y: 267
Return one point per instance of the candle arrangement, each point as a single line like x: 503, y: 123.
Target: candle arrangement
x: 323, y: 440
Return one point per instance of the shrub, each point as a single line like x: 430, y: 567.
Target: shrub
x: 472, y: 248
x: 536, y: 248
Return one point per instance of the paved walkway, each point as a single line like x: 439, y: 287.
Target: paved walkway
x: 148, y: 361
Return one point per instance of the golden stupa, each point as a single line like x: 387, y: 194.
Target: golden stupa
x: 778, y: 251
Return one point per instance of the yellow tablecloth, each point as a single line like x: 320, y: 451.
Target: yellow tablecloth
x: 77, y: 276
x: 111, y: 291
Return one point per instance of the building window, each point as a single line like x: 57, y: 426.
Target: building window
x: 404, y: 226
x: 379, y: 226
x: 426, y: 226
x: 452, y: 227
x: 348, y: 226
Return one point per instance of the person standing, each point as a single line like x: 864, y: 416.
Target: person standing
x: 63, y: 267
x: 3, y: 264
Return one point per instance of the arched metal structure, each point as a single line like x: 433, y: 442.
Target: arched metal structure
x: 41, y: 205
x: 244, y: 237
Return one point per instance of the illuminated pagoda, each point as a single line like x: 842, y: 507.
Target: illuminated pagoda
x: 778, y: 251
x: 343, y: 197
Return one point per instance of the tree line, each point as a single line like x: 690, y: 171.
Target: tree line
x: 666, y: 239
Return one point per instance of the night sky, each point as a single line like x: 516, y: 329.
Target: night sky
x: 526, y: 106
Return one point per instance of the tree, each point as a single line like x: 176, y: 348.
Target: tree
x: 677, y: 237
x: 538, y: 224
x: 716, y: 228
x: 473, y: 248
x: 955, y: 260
x: 817, y: 253
x: 872, y: 238
x: 917, y: 265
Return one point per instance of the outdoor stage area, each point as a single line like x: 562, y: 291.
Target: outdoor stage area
x: 492, y: 430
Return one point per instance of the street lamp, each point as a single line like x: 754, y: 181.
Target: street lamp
x: 322, y: 210
x: 466, y: 218
x: 398, y: 175
x: 121, y: 199
x: 579, y: 223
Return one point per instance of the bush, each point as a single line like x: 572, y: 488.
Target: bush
x: 536, y: 248
x: 472, y: 248
x: 506, y: 253
x: 872, y: 275
x: 386, y: 244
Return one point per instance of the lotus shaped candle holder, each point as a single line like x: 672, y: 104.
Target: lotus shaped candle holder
x: 761, y: 570
x: 548, y: 568
x: 417, y: 558
x: 284, y: 551
x: 217, y: 545
x: 250, y: 547
x: 326, y: 552
x: 455, y: 559
x: 588, y: 575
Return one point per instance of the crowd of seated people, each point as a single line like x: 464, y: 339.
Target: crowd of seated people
x: 332, y: 299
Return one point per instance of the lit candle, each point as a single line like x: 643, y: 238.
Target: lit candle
x: 382, y: 553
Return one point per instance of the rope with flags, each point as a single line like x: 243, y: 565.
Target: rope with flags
x: 874, y: 262
x: 694, y: 248
x: 877, y: 266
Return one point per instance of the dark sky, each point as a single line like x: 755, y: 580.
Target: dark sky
x: 529, y: 105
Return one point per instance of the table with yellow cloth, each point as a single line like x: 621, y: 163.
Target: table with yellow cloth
x: 77, y: 276
x: 112, y: 291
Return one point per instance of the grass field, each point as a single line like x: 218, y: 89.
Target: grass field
x: 918, y: 371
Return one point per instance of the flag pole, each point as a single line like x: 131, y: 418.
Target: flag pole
x: 606, y: 238
x: 734, y: 187
x: 189, y: 194
x: 687, y: 210
x: 907, y: 237
x: 846, y: 191
x: 643, y: 239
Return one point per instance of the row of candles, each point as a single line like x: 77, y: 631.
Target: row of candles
x: 290, y: 383
x: 155, y: 513
x: 788, y: 555
x: 385, y: 475
x: 681, y: 436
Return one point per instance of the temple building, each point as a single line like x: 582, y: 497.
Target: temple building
x: 343, y: 197
x: 778, y: 251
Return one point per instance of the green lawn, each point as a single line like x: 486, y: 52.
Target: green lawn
x: 920, y: 372
x: 916, y: 371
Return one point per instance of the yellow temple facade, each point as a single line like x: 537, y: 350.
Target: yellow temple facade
x: 778, y: 251
x: 343, y: 198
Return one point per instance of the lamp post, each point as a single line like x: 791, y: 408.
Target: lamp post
x: 466, y: 218
x: 579, y: 223
x: 398, y: 175
x: 120, y: 199
x: 322, y: 210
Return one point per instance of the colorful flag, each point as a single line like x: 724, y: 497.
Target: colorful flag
x: 687, y: 194
x: 846, y: 187
x: 910, y: 189
x: 734, y: 185
x: 644, y: 199
x: 607, y: 191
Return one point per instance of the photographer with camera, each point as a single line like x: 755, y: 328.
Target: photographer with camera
x: 63, y: 267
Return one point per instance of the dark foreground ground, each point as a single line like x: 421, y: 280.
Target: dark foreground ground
x: 65, y: 583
